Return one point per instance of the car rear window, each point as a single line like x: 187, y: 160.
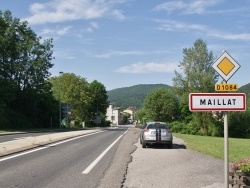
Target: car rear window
x: 159, y: 126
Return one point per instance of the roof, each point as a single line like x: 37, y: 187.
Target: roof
x: 153, y: 122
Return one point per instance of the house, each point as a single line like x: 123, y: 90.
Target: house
x: 114, y: 115
x: 131, y: 111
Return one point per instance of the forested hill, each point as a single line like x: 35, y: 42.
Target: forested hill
x: 245, y: 89
x: 135, y: 95
x: 132, y: 96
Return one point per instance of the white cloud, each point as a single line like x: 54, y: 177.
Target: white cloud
x: 65, y: 54
x: 56, y: 32
x: 93, y: 25
x: 66, y: 10
x: 148, y: 68
x: 118, y: 15
x: 118, y: 53
x: 170, y: 25
x: 171, y: 6
x: 111, y: 53
x: 190, y: 7
x: 229, y: 36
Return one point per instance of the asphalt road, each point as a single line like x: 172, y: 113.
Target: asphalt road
x: 125, y: 165
x: 63, y: 164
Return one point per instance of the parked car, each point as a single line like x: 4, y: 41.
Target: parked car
x: 156, y: 133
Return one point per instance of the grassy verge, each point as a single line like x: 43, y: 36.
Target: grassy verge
x: 214, y: 146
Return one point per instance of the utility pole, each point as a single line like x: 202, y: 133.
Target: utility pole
x: 60, y: 105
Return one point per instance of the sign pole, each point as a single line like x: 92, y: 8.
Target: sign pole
x: 226, y: 66
x: 226, y: 163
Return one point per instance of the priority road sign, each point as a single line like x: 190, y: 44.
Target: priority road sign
x: 225, y: 66
x: 217, y: 101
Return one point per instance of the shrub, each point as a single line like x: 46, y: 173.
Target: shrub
x: 243, y: 166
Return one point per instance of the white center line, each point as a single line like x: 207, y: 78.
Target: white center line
x: 92, y: 165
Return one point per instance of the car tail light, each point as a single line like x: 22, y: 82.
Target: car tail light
x: 146, y: 130
x: 169, y: 131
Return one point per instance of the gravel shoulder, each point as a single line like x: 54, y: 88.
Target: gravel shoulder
x: 173, y: 168
x: 135, y: 167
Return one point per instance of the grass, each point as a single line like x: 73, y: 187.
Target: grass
x: 214, y: 146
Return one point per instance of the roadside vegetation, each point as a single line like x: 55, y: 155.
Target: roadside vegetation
x: 171, y: 105
x: 214, y: 146
x: 30, y: 98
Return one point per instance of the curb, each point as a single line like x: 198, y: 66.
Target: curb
x: 11, y: 147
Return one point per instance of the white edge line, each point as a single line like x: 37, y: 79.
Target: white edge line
x: 47, y: 146
x: 92, y: 165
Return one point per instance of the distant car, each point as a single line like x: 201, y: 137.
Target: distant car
x: 156, y: 133
x: 130, y: 121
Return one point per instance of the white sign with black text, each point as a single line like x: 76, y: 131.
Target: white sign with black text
x: 217, y: 101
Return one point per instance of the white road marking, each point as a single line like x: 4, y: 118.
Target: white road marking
x: 47, y: 146
x: 92, y: 165
x: 22, y: 138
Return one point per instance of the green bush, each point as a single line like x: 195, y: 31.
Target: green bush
x: 238, y: 124
x: 177, y: 126
x: 184, y: 128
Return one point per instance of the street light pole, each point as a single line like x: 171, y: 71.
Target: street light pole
x: 112, y: 115
x: 97, y: 117
x: 60, y: 105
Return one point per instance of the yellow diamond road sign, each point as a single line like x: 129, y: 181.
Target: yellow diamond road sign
x: 226, y: 66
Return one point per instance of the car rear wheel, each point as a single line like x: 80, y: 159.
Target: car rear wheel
x: 170, y: 145
x: 144, y: 144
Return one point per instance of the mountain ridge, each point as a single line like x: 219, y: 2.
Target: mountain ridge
x: 134, y: 95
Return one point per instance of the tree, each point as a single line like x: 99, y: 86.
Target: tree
x: 239, y: 126
x: 197, y: 76
x: 161, y: 105
x: 25, y: 61
x: 72, y: 89
x: 185, y: 113
x: 24, y: 68
x: 141, y: 116
x: 98, y: 102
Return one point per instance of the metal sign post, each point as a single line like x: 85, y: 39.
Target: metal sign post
x: 226, y: 66
x: 226, y: 153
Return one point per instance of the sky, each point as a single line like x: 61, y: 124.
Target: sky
x: 122, y: 43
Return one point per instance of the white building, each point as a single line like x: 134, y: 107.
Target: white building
x: 114, y: 115
x: 131, y: 111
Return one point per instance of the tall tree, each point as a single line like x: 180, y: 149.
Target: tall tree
x: 99, y: 102
x: 197, y: 76
x: 72, y: 89
x: 161, y: 105
x: 141, y: 115
x: 25, y: 61
x: 24, y: 67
